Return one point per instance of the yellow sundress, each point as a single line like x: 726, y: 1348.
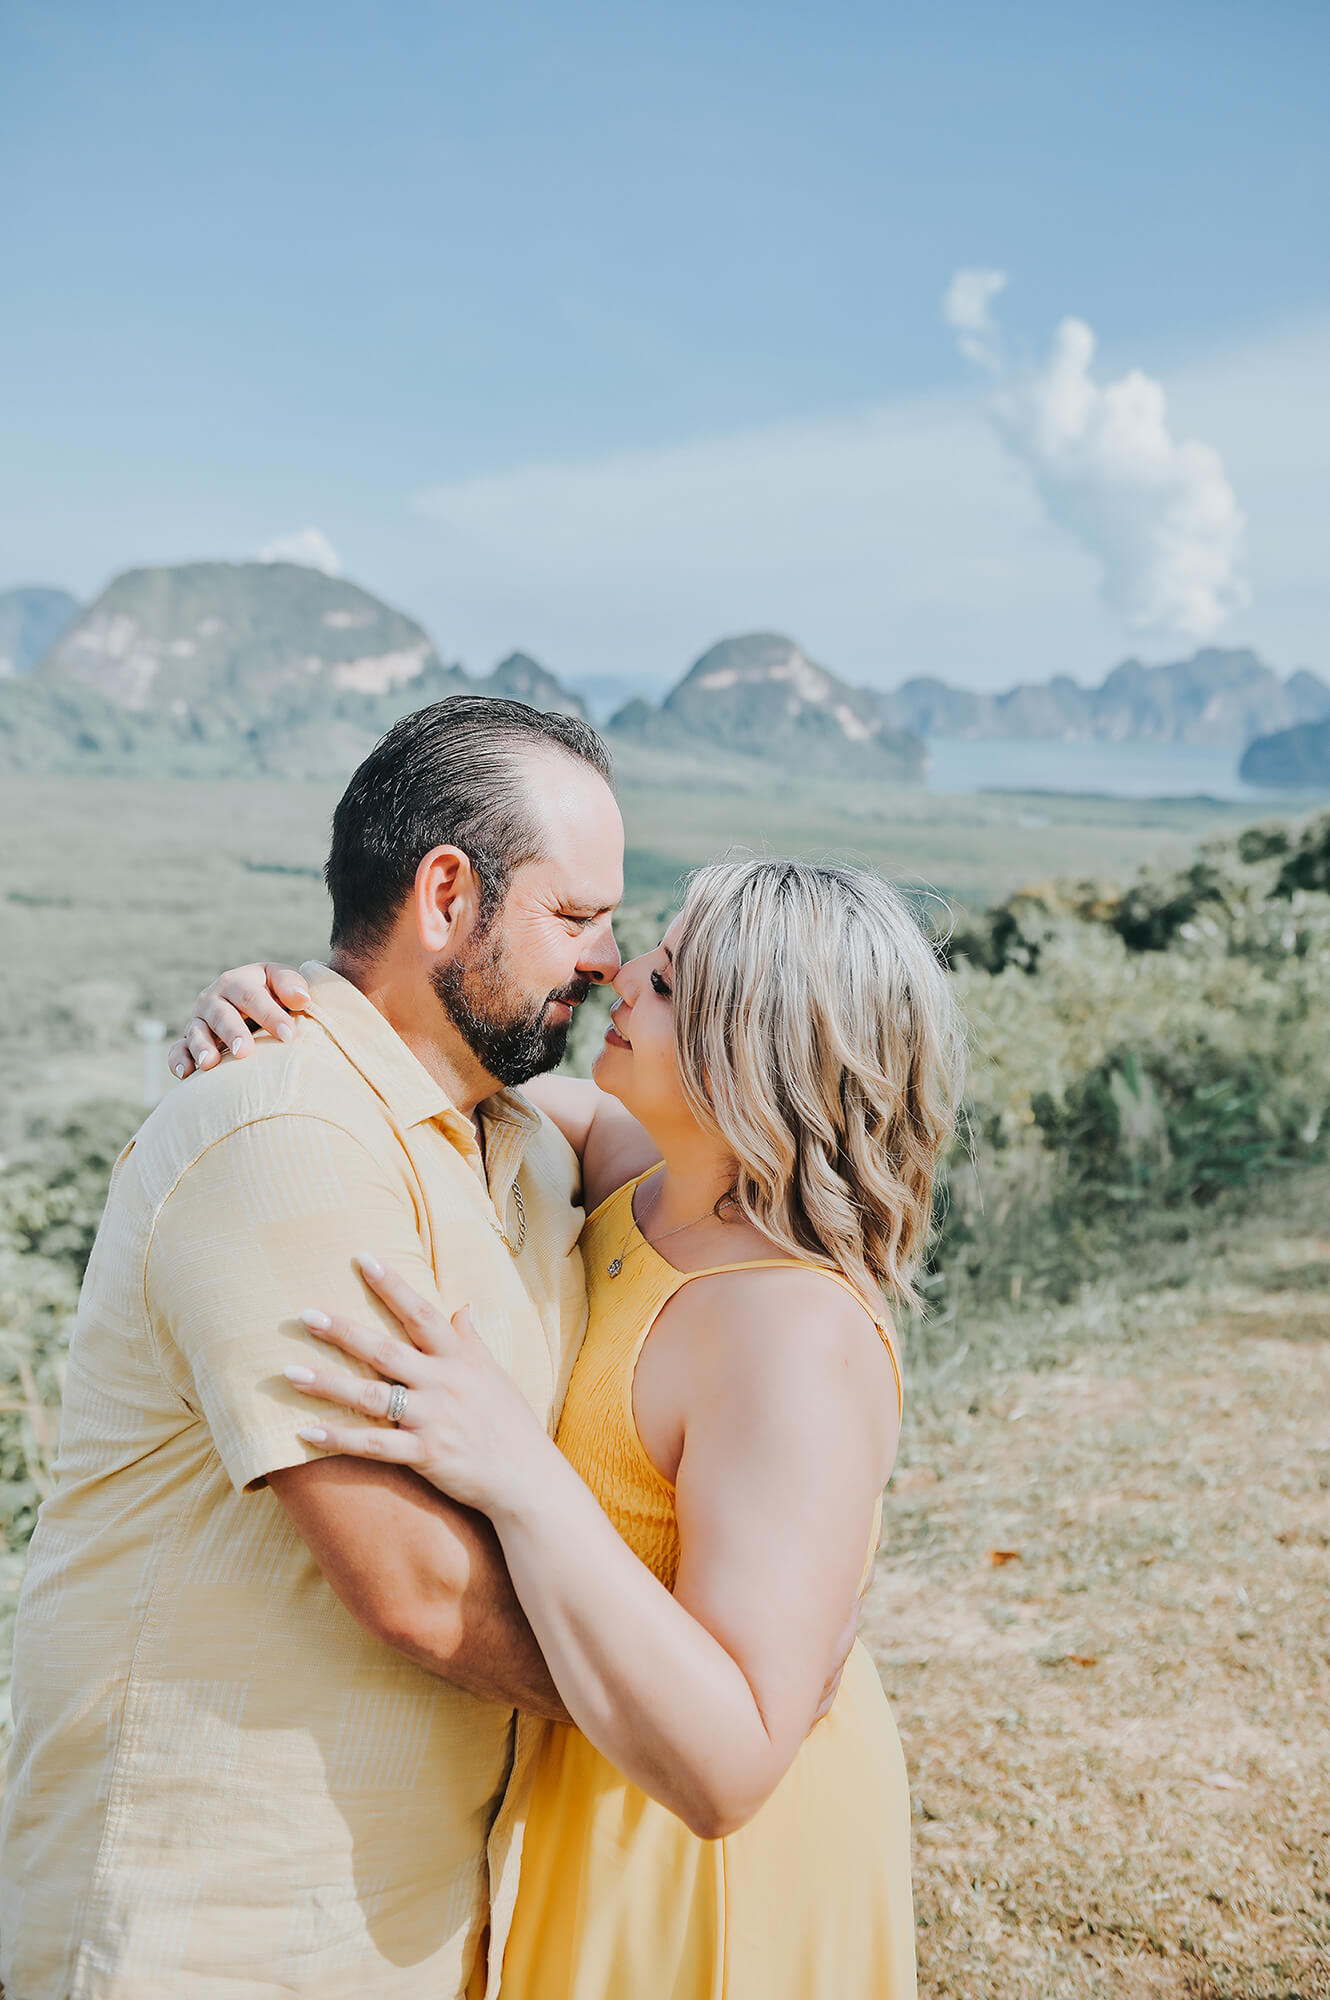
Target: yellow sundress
x: 616, y: 1899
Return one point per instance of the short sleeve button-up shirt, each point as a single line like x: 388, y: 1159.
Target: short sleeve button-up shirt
x: 220, y: 1785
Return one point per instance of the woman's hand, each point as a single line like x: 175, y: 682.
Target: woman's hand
x: 466, y: 1427
x: 265, y: 996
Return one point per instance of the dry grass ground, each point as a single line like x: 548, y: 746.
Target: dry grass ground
x: 1103, y: 1618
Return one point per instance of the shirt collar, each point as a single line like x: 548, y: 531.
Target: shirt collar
x: 372, y: 1045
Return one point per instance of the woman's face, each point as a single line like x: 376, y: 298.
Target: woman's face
x: 637, y: 1063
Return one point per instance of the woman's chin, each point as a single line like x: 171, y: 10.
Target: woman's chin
x: 606, y: 1074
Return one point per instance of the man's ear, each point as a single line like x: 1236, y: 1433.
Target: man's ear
x: 446, y: 899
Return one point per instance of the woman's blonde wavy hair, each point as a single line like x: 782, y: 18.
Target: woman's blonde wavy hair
x: 818, y: 1038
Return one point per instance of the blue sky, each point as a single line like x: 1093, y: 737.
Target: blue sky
x: 604, y: 329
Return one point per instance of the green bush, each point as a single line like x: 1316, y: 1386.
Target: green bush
x: 50, y: 1205
x: 1176, y: 1125
x: 1134, y: 1056
x: 1308, y: 866
x: 51, y: 1201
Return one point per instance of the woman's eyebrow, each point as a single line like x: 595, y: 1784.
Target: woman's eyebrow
x: 668, y: 953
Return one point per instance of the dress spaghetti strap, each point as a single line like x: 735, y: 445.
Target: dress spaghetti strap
x: 626, y: 1193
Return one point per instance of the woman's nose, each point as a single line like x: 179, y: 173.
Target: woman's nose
x: 627, y: 980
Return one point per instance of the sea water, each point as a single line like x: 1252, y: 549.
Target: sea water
x: 1119, y: 770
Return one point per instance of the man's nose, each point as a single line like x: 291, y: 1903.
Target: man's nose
x: 601, y: 962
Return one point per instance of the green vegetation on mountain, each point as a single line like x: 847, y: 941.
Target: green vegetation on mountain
x: 1217, y: 697
x: 761, y: 696
x: 31, y: 620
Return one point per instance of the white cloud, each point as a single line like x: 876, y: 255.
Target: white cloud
x: 904, y: 538
x: 307, y: 546
x: 1159, y: 513
x: 889, y: 541
x: 966, y: 306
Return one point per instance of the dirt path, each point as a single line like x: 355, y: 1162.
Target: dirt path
x: 1102, y: 1613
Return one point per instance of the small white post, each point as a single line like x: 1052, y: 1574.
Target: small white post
x: 152, y: 1034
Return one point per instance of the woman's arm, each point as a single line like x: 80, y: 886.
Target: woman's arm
x: 608, y: 1140
x: 701, y: 1698
x: 704, y: 1698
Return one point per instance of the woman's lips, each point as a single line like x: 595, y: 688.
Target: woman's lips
x: 614, y: 1040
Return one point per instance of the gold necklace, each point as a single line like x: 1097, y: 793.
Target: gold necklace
x: 615, y: 1265
x: 516, y: 1248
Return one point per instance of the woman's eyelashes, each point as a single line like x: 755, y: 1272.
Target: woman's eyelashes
x: 658, y: 986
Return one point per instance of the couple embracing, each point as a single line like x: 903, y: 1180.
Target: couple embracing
x: 468, y: 1475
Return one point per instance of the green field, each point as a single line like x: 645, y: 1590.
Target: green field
x: 118, y: 897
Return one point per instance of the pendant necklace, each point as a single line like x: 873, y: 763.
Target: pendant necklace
x: 615, y: 1265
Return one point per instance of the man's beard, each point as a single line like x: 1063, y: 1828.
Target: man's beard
x: 510, y: 1039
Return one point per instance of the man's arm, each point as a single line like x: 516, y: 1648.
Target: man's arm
x: 261, y: 1226
x: 422, y: 1574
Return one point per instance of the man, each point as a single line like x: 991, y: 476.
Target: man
x: 264, y: 1699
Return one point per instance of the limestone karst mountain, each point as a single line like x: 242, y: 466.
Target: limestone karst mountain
x: 521, y: 678
x: 762, y: 696
x: 32, y: 617
x: 228, y: 668
x: 1219, y: 697
x: 1296, y: 759
x: 236, y: 639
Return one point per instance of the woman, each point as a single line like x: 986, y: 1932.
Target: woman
x: 759, y: 1148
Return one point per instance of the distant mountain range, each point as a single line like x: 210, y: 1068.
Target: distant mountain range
x: 226, y: 668
x: 1217, y: 698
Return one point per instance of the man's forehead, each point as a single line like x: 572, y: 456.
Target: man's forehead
x: 581, y: 832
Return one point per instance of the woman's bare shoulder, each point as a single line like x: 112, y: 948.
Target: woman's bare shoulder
x: 783, y: 1316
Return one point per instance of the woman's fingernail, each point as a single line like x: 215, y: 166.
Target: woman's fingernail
x: 180, y: 1071
x: 302, y: 993
x: 238, y: 1046
x: 285, y: 1032
x: 312, y: 1433
x: 370, y: 1266
x: 319, y: 1321
x: 295, y: 1373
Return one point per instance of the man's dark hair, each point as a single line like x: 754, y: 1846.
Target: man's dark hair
x: 450, y: 775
